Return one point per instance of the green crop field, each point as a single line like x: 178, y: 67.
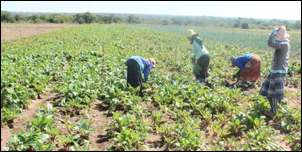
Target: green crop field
x: 92, y: 109
x: 252, y: 39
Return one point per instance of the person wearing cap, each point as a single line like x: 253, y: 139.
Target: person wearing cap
x: 249, y: 68
x: 136, y: 66
x: 273, y: 86
x: 201, y: 54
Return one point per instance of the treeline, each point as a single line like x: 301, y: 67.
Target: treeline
x: 88, y: 18
x: 80, y: 18
x: 7, y: 17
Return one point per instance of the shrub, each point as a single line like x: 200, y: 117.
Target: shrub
x: 245, y: 26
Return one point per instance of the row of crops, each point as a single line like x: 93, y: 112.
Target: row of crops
x: 86, y: 65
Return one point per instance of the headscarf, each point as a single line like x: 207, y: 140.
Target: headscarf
x: 282, y: 34
x: 153, y: 62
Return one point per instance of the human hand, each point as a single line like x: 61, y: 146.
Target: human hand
x: 234, y: 77
x: 239, y: 83
x: 193, y: 60
x: 277, y: 28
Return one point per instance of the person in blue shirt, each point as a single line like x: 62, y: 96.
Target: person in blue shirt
x: 249, y: 68
x: 136, y: 66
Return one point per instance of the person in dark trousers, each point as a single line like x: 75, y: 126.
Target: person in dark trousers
x: 249, y: 68
x: 201, y: 54
x: 136, y: 66
x: 273, y: 86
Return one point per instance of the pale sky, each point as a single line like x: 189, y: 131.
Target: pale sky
x: 267, y: 10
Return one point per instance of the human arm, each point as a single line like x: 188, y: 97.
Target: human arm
x: 193, y: 60
x: 199, y: 41
x: 274, y: 44
x: 237, y: 75
x: 147, y: 72
x: 239, y: 83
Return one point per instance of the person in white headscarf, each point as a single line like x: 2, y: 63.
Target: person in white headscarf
x: 273, y: 86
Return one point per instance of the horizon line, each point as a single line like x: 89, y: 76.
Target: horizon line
x: 153, y: 14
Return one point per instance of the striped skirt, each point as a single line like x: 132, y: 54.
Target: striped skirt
x: 273, y: 86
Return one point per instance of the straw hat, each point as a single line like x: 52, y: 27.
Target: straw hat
x: 282, y: 34
x: 191, y: 32
x: 153, y: 62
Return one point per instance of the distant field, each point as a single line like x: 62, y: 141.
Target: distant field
x: 21, y: 30
x: 253, y: 39
x: 250, y: 39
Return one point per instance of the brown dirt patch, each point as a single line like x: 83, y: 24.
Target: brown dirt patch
x: 293, y: 99
x: 18, y: 31
x: 281, y: 142
x: 98, y: 139
x: 154, y: 143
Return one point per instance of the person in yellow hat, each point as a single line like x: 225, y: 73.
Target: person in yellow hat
x: 201, y: 54
x: 136, y: 66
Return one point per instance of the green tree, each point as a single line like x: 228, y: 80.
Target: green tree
x: 101, y: 19
x: 7, y: 17
x: 109, y: 19
x: 245, y: 26
x: 177, y: 21
x: 237, y: 23
x: 58, y: 19
x: 85, y: 18
x: 38, y: 21
x: 165, y: 22
x: 117, y: 19
x: 19, y: 17
x: 33, y: 18
x: 78, y: 19
x: 43, y: 17
x: 132, y: 19
x: 89, y: 18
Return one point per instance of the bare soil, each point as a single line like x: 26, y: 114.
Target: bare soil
x: 154, y: 143
x: 98, y: 139
x: 18, y: 31
x: 293, y: 100
x: 281, y: 142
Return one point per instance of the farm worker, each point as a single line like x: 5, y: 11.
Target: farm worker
x: 201, y: 54
x: 136, y: 66
x: 249, y: 67
x: 273, y: 86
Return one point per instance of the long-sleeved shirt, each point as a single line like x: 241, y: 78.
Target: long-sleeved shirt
x: 145, y: 66
x: 198, y: 49
x: 241, y: 61
x: 281, y: 55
